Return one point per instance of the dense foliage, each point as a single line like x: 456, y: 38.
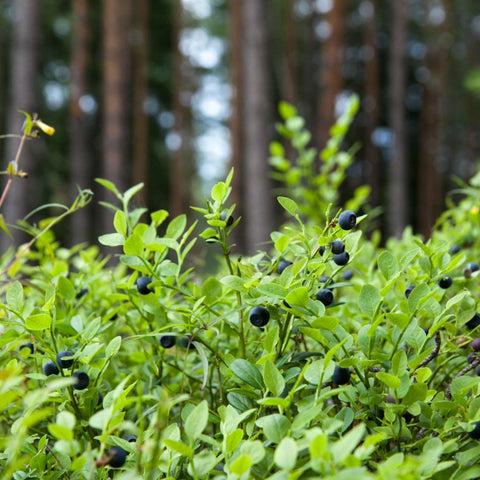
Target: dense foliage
x: 292, y: 363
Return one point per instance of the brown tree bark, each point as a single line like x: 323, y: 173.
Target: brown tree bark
x: 373, y: 170
x: 23, y: 95
x: 116, y: 100
x: 140, y: 92
x: 429, y: 187
x: 290, y: 59
x: 397, y: 212
x: 256, y: 116
x: 80, y: 155
x: 331, y: 80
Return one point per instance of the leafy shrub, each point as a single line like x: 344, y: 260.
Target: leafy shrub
x: 376, y: 384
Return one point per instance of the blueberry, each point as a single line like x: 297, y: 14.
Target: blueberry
x: 337, y: 246
x: 167, y: 341
x: 341, y: 258
x: 229, y: 220
x: 187, y: 342
x: 347, y: 220
x: 325, y: 295
x: 324, y: 279
x: 454, y: 249
x: 347, y: 275
x: 259, y: 316
x: 282, y: 265
x: 81, y: 380
x: 341, y: 376
x: 445, y: 281
x: 470, y: 268
x: 82, y: 292
x: 117, y: 457
x: 473, y: 266
x: 29, y: 346
x: 474, y: 322
x: 142, y: 285
x: 476, y: 344
x: 64, y: 359
x: 471, y: 357
x: 50, y: 369
x: 130, y: 438
x: 321, y: 250
x: 477, y: 371
x: 475, y: 433
x: 409, y: 290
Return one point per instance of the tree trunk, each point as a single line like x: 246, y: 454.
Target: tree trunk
x: 140, y: 92
x: 331, y: 79
x: 256, y: 122
x: 23, y: 95
x: 396, y: 215
x: 290, y: 59
x: 80, y: 155
x: 373, y: 170
x: 429, y: 187
x: 116, y: 100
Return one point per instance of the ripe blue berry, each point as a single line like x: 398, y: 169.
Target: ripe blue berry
x: 229, y: 220
x: 117, y: 457
x: 321, y: 250
x: 50, y: 369
x: 337, y: 246
x: 347, y: 275
x: 475, y: 433
x: 347, y: 220
x: 454, y: 249
x: 81, y: 380
x: 341, y: 258
x: 324, y: 279
x: 64, y: 359
x: 29, y: 346
x: 130, y: 438
x: 82, y: 292
x: 187, y: 342
x: 341, y: 376
x: 259, y: 316
x: 445, y: 281
x: 325, y: 296
x: 409, y: 290
x: 476, y: 344
x: 473, y: 266
x: 474, y: 322
x: 282, y: 265
x: 142, y: 285
x: 167, y: 341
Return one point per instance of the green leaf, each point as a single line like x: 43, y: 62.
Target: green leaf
x: 109, y: 186
x: 133, y: 245
x: 273, y: 379
x: 60, y: 432
x: 197, y: 421
x: 15, y: 297
x: 39, y: 321
x: 113, y: 347
x: 369, y: 300
x: 120, y: 223
x: 211, y: 290
x: 281, y: 243
x: 298, y: 296
x: 273, y: 290
x: 399, y: 363
x: 65, y: 288
x: 128, y: 195
x: 286, y: 454
x: 178, y: 447
x: 176, y: 227
x: 420, y: 292
x: 234, y: 282
x: 111, y: 239
x: 158, y: 217
x: 387, y: 264
x: 286, y: 110
x: 389, y: 380
x: 275, y: 427
x: 288, y: 204
x: 219, y: 192
x: 345, y: 446
x: 247, y: 372
x: 276, y: 149
x: 241, y: 465
x: 233, y: 440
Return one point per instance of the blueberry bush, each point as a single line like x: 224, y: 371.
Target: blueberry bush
x: 328, y: 355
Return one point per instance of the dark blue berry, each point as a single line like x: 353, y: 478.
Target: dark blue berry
x: 473, y: 266
x: 325, y: 296
x: 409, y: 290
x: 474, y: 322
x: 445, y: 281
x: 341, y: 258
x: 50, y: 369
x: 187, y: 342
x: 29, y: 346
x: 117, y: 457
x: 341, y: 376
x: 347, y: 275
x: 82, y: 292
x: 324, y: 279
x: 142, y: 285
x: 229, y: 220
x: 347, y: 220
x: 167, y: 341
x: 282, y: 265
x: 130, y: 438
x: 259, y: 316
x: 454, y: 249
x: 321, y: 250
x: 475, y: 433
x: 476, y: 344
x: 64, y: 359
x: 81, y: 380
x: 337, y: 246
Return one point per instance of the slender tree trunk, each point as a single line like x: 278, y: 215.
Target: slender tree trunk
x: 429, y: 187
x: 23, y: 95
x: 236, y: 131
x: 178, y: 194
x: 397, y: 213
x: 373, y: 170
x: 331, y: 79
x: 140, y: 92
x: 80, y: 156
x: 256, y: 118
x: 290, y: 59
x: 309, y: 64
x: 116, y: 99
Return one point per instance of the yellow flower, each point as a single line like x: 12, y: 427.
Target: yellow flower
x: 44, y: 127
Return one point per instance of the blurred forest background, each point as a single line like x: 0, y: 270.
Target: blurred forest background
x: 174, y: 92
